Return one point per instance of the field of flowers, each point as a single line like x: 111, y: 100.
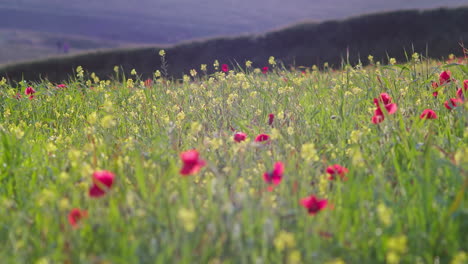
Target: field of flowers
x: 246, y: 165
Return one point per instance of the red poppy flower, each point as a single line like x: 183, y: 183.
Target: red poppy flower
x: 102, y: 182
x: 462, y: 90
x: 377, y: 119
x: 262, y: 138
x: 29, y: 91
x: 337, y: 170
x: 428, y: 114
x: 192, y: 162
x: 313, y: 205
x: 239, y: 136
x: 444, y: 77
x: 265, y: 69
x: 225, y: 68
x: 148, y: 83
x: 75, y: 216
x: 61, y: 86
x: 391, y: 109
x: 271, y: 117
x: 452, y: 103
x: 435, y: 85
x: 384, y: 99
x: 276, y: 175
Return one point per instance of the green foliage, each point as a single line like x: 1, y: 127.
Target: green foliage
x: 403, y: 201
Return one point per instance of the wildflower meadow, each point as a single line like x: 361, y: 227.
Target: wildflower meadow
x: 248, y: 164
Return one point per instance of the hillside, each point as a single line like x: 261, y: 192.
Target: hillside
x: 440, y: 31
x: 28, y: 45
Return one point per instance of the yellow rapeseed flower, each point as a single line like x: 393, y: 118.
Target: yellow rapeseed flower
x: 309, y: 153
x: 384, y: 214
x: 188, y: 218
x: 284, y: 240
x: 398, y: 244
x: 460, y: 258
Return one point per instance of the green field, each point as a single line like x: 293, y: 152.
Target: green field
x: 397, y: 196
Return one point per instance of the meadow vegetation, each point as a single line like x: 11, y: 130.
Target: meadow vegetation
x: 245, y: 165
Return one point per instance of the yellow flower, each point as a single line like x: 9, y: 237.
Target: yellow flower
x: 392, y: 61
x: 51, y: 147
x: 384, y: 214
x: 371, y: 59
x: 157, y: 74
x: 133, y: 72
x: 309, y: 153
x: 92, y: 118
x: 460, y: 258
x: 203, y: 67
x: 188, y: 218
x: 294, y: 257
x: 79, y: 72
x: 248, y: 64
x: 116, y: 69
x: 271, y: 60
x: 284, y: 240
x: 398, y: 244
x: 162, y: 53
x: 108, y: 121
x: 393, y: 258
x: 335, y: 261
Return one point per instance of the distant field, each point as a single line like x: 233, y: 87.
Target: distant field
x: 435, y: 33
x: 26, y: 45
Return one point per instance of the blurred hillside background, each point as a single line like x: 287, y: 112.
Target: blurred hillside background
x: 31, y: 29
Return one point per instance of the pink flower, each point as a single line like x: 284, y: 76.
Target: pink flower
x: 265, y: 69
x: 239, y: 136
x: 428, y: 114
x: 192, y: 162
x: 102, y: 182
x: 384, y: 99
x: 452, y: 103
x: 29, y: 91
x: 262, y: 138
x: 224, y: 68
x: 435, y: 86
x: 461, y: 91
x: 61, y: 86
x: 271, y: 118
x: 313, y: 205
x: 377, y: 119
x: 391, y: 109
x: 337, y: 170
x: 444, y: 77
x: 75, y: 216
x: 276, y: 175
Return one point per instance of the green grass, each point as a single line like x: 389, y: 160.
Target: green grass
x: 403, y: 201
